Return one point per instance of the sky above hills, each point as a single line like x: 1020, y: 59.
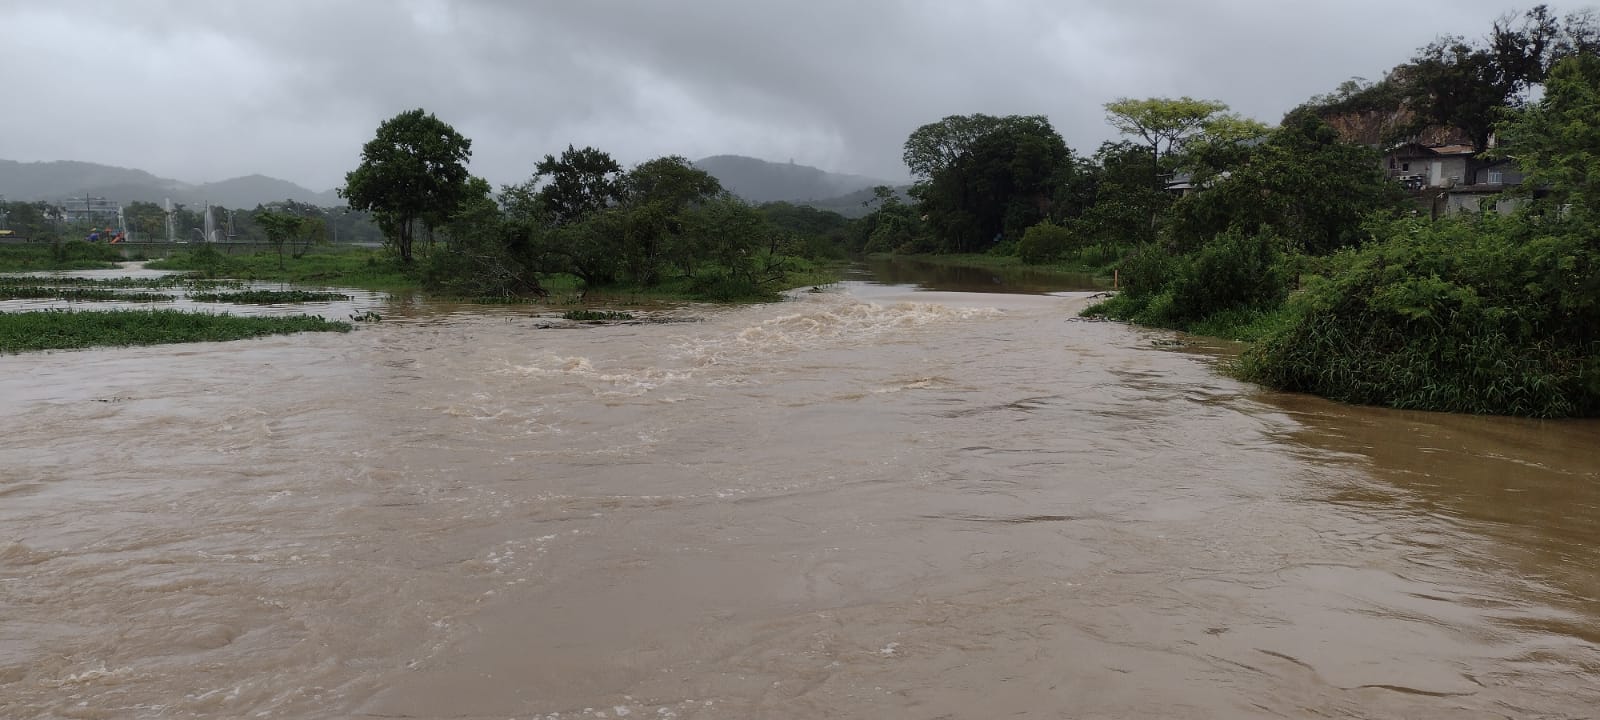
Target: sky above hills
x: 205, y: 89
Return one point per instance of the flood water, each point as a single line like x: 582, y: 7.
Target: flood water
x: 871, y: 502
x: 358, y: 302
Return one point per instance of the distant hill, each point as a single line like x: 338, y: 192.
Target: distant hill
x: 760, y: 181
x: 59, y: 180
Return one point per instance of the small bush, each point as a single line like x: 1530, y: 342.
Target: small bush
x: 1044, y: 242
x: 595, y: 315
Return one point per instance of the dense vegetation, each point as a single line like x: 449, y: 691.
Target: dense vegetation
x: 61, y: 330
x: 662, y: 226
x: 75, y: 255
x: 1293, y: 237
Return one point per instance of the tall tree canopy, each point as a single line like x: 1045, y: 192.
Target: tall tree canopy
x: 414, y: 170
x: 984, y: 177
x: 1162, y: 121
x: 1557, y: 140
x: 1312, y: 189
x: 578, y: 183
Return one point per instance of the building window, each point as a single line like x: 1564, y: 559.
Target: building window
x: 1405, y: 166
x: 1496, y: 177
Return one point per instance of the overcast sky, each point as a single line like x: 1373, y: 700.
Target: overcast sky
x: 204, y: 90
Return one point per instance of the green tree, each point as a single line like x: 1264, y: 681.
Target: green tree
x: 30, y: 220
x: 1162, y: 123
x: 578, y: 184
x: 657, y: 193
x: 1044, y: 242
x: 414, y: 170
x: 279, y: 227
x: 1557, y: 141
x: 1310, y: 187
x: 984, y: 178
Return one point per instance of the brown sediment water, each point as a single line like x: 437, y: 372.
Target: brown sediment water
x: 859, y: 503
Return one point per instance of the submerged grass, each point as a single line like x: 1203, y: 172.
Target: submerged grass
x: 267, y: 297
x: 39, y: 292
x: 164, y: 281
x: 67, y: 329
x: 595, y: 315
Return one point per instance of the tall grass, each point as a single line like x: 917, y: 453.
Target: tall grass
x: 73, y: 255
x: 66, y: 329
x: 361, y: 268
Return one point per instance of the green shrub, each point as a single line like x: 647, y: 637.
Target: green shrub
x: 1492, y: 315
x: 1234, y: 270
x: 1044, y: 242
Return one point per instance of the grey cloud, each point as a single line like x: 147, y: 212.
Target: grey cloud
x: 205, y: 90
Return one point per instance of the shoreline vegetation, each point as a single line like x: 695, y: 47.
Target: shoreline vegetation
x: 43, y: 257
x: 1336, y: 243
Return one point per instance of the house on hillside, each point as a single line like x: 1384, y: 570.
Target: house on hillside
x: 1448, y: 179
x: 1419, y: 166
x: 1486, y: 190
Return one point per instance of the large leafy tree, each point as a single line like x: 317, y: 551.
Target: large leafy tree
x: 657, y: 194
x: 1557, y: 140
x: 983, y: 177
x: 579, y: 183
x: 414, y: 171
x: 1123, y: 194
x: 1311, y: 188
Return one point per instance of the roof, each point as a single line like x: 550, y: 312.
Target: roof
x: 1412, y: 149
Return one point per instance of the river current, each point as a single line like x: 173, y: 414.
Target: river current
x: 866, y: 502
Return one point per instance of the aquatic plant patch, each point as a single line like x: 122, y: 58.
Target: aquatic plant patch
x: 70, y: 329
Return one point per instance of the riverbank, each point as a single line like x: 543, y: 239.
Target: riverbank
x: 1005, y: 263
x: 1240, y: 324
x: 373, y: 269
x: 64, y: 256
x: 73, y: 329
x: 367, y: 269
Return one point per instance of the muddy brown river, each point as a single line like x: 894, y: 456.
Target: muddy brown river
x: 865, y: 503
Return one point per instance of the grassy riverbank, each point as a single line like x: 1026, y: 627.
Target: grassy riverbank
x: 1088, y: 265
x: 369, y: 269
x: 66, y: 330
x: 74, y: 255
x: 375, y: 269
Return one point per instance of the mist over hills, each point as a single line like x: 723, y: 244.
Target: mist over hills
x: 753, y: 179
x: 58, y: 180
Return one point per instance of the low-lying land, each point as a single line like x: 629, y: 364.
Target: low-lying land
x: 66, y: 329
x: 75, y: 255
x: 363, y: 268
x: 376, y: 269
